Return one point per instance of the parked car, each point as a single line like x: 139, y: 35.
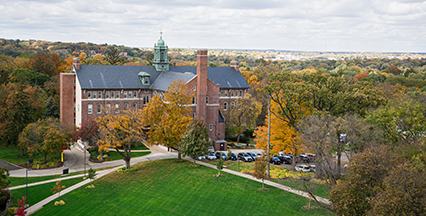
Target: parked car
x: 286, y: 160
x: 252, y: 155
x: 202, y: 157
x: 244, y: 157
x: 233, y: 156
x: 275, y: 160
x: 224, y: 156
x: 304, y: 158
x: 312, y: 168
x: 211, y: 149
x: 311, y: 157
x: 303, y: 168
x: 211, y: 156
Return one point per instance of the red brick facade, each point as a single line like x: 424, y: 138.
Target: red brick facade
x: 67, y: 98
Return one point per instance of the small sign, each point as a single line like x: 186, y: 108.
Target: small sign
x: 65, y: 171
x: 62, y: 156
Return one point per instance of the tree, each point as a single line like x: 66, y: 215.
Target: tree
x: 259, y: 169
x: 120, y: 130
x: 403, y: 192
x: 168, y: 119
x: 219, y: 165
x: 29, y: 77
x: 244, y: 115
x: 366, y: 172
x: 57, y: 188
x: 195, y: 142
x: 89, y: 132
x: 50, y: 64
x: 46, y: 136
x: 113, y: 56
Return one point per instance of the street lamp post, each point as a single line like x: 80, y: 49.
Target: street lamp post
x: 85, y: 149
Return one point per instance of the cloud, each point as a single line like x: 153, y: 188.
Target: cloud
x: 347, y: 25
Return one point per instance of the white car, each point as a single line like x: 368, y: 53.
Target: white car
x: 202, y: 157
x: 211, y: 156
x: 303, y: 168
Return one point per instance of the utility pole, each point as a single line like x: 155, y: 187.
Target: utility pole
x: 269, y: 132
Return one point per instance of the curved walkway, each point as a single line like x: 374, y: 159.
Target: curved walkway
x: 157, y: 153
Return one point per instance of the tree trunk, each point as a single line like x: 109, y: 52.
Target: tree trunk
x: 102, y: 155
x: 22, y: 152
x: 263, y: 184
x: 127, y: 161
x: 339, y: 163
x: 194, y: 162
x: 179, y: 156
x: 238, y: 139
x: 45, y: 158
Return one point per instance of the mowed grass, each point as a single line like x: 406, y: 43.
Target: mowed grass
x: 12, y: 154
x: 39, y: 192
x: 168, y: 187
x: 318, y: 189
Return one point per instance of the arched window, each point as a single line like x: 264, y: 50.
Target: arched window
x: 193, y: 100
x: 117, y: 108
x: 134, y: 106
x: 232, y: 105
x: 126, y: 106
x: 225, y: 106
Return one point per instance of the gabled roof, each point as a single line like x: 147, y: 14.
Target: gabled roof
x: 126, y: 77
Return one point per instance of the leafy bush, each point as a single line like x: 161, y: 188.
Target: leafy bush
x: 124, y: 170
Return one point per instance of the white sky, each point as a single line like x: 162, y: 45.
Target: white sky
x: 309, y: 25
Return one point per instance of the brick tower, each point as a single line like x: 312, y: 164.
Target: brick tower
x: 201, y: 84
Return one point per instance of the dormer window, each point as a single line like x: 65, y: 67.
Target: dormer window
x: 144, y: 77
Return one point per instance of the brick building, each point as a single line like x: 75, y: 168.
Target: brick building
x: 90, y: 88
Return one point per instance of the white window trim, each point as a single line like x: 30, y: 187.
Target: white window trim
x: 89, y: 108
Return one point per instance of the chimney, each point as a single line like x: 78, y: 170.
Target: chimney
x: 201, y: 84
x: 76, y: 63
x: 235, y: 65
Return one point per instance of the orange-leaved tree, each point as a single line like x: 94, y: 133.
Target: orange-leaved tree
x: 119, y: 130
x: 168, y: 117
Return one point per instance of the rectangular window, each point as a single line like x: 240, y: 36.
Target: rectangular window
x: 94, y: 95
x: 125, y: 94
x: 107, y: 95
x: 211, y: 127
x: 99, y: 108
x: 146, y: 90
x: 195, y: 88
x: 112, y: 95
x: 226, y: 93
x: 135, y: 94
x: 99, y: 94
x: 89, y: 108
x: 117, y: 94
x: 207, y: 100
x: 145, y: 99
x: 193, y: 100
x: 130, y: 94
x: 117, y: 108
x: 241, y: 93
x: 89, y: 95
x: 221, y: 93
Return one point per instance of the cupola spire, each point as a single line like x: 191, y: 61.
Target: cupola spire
x: 160, y: 61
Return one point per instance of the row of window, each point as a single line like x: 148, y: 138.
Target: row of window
x: 108, y: 108
x: 225, y: 105
x: 232, y: 93
x: 113, y: 94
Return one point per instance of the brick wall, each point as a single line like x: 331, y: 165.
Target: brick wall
x: 67, y: 99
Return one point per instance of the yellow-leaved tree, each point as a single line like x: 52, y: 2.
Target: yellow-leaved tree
x: 120, y: 130
x: 168, y: 118
x: 284, y: 138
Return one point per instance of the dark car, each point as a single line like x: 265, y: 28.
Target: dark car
x: 221, y: 154
x: 286, y: 159
x: 233, y: 156
x: 311, y: 157
x: 275, y: 160
x: 244, y: 157
x: 304, y: 158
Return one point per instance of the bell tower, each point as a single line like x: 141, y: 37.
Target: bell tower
x: 160, y: 61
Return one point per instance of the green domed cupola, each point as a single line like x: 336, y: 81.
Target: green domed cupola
x: 160, y: 61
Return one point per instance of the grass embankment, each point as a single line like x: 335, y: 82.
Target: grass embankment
x: 40, y: 192
x: 170, y: 187
x: 12, y: 154
x: 293, y: 182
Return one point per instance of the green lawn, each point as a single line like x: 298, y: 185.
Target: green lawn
x: 168, y: 187
x: 319, y: 189
x: 12, y: 154
x: 40, y: 192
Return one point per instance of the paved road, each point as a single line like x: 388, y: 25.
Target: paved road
x: 10, y: 167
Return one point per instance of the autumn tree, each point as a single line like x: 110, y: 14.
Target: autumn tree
x: 50, y: 64
x: 113, y: 56
x: 119, y: 130
x: 195, y: 142
x: 29, y: 77
x: 168, y: 118
x: 46, y: 136
x: 363, y: 182
x: 259, y: 169
x: 89, y: 132
x: 243, y: 115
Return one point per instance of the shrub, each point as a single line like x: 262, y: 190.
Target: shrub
x: 124, y: 170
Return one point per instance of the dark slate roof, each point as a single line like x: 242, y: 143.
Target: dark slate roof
x: 126, y: 77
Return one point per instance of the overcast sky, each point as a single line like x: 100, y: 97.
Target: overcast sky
x: 317, y: 25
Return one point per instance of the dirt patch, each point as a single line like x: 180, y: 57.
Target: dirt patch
x: 264, y: 189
